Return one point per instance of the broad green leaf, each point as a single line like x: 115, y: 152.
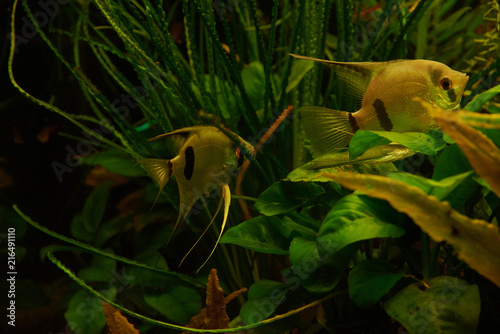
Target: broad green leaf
x: 147, y: 278
x: 440, y: 189
x: 299, y: 69
x: 109, y: 229
x: 425, y: 143
x: 362, y: 141
x: 285, y: 196
x: 262, y: 234
x: 179, y: 303
x: 479, y: 100
x: 115, y: 161
x: 318, y: 273
x: 301, y: 223
x: 370, y: 280
x: 475, y: 241
x: 78, y: 229
x: 264, y: 297
x: 253, y: 78
x: 481, y: 151
x: 85, y: 314
x: 101, y: 270
x: 451, y: 162
x: 450, y: 305
x: 356, y: 218
x: 95, y: 206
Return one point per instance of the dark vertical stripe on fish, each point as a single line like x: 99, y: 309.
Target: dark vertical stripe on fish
x: 382, y: 116
x: 189, y: 167
x: 169, y: 168
x: 353, y: 122
x: 452, y: 95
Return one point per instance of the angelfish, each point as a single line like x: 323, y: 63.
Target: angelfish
x: 206, y: 160
x: 391, y: 94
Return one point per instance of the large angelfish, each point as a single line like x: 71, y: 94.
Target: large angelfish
x: 390, y: 95
x: 206, y: 160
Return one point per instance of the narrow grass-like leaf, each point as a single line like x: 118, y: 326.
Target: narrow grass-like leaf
x: 479, y: 100
x: 176, y: 327
x: 85, y: 247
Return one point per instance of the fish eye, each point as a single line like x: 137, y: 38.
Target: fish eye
x: 445, y: 84
x: 239, y: 154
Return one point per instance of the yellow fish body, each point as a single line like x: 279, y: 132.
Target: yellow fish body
x: 206, y: 160
x: 390, y: 95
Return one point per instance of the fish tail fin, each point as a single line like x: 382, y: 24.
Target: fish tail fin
x: 159, y: 170
x: 328, y: 130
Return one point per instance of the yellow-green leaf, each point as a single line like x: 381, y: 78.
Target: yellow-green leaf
x: 475, y: 241
x: 482, y: 153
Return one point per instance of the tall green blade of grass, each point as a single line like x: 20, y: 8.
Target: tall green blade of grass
x: 310, y: 36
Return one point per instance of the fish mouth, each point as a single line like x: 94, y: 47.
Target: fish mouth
x: 451, y: 99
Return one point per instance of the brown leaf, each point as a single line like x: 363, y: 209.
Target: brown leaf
x: 99, y: 174
x: 117, y: 323
x: 482, y: 153
x: 44, y: 135
x: 131, y: 203
x: 475, y: 241
x: 5, y: 179
x: 214, y: 315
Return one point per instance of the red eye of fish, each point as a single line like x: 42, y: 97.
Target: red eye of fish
x: 239, y: 154
x: 445, y: 84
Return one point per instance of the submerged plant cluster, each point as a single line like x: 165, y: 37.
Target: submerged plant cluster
x: 414, y: 248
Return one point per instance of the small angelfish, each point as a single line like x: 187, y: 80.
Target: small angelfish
x: 390, y: 95
x: 206, y: 160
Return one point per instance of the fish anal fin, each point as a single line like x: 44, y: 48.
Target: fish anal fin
x: 328, y: 130
x: 159, y: 170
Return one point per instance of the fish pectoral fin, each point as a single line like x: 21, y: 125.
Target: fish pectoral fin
x: 328, y: 130
x: 159, y: 170
x: 226, y: 195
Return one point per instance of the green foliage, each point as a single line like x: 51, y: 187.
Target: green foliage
x: 178, y: 303
x: 261, y: 234
x: 370, y: 280
x: 448, y: 305
x: 144, y: 68
x: 356, y: 218
x: 425, y: 143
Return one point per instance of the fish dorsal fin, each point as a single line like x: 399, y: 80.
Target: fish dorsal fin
x: 328, y: 130
x: 174, y: 140
x: 354, y: 77
x: 159, y: 170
